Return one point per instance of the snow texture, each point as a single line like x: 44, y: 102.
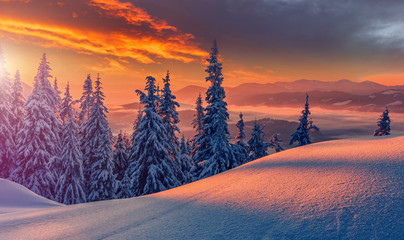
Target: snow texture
x: 15, y: 197
x: 343, y: 189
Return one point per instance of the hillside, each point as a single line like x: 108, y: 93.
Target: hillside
x: 14, y: 197
x: 342, y: 189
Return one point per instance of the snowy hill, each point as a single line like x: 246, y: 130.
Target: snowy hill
x: 14, y: 197
x: 343, y: 189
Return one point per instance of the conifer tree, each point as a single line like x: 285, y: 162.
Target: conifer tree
x: 17, y: 121
x: 185, y: 160
x: 17, y: 105
x: 38, y: 142
x: 66, y: 105
x: 240, y: 147
x: 275, y: 143
x: 383, y: 124
x: 125, y: 185
x: 70, y: 184
x: 86, y: 100
x: 7, y: 144
x: 197, y: 124
x: 120, y: 157
x: 168, y: 112
x: 151, y: 168
x: 257, y: 147
x: 97, y: 150
x: 302, y: 134
x: 58, y: 98
x: 127, y: 143
x: 214, y: 154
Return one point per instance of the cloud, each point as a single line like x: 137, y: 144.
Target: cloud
x: 130, y: 13
x: 143, y: 37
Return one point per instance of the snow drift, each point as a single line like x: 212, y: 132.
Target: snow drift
x: 344, y: 189
x: 14, y: 197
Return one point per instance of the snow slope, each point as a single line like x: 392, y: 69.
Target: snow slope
x: 14, y: 197
x: 344, y: 189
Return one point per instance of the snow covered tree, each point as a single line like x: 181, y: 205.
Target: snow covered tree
x: 17, y: 121
x: 240, y: 147
x: 185, y: 160
x: 86, y: 100
x: 383, y: 124
x: 120, y: 157
x: 7, y: 144
x: 97, y: 150
x: 66, y: 105
x: 125, y: 186
x: 275, y: 143
x: 70, y: 184
x: 168, y: 112
x: 127, y: 143
x: 302, y: 136
x: 151, y: 168
x: 17, y: 105
x: 214, y: 153
x: 197, y: 124
x: 257, y: 147
x: 58, y: 98
x: 38, y: 142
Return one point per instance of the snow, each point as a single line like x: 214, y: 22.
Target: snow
x: 342, y: 103
x: 342, y: 189
x: 15, y: 197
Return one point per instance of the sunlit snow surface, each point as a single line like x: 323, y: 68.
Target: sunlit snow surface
x: 345, y: 189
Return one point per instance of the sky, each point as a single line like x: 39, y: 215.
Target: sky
x: 259, y: 41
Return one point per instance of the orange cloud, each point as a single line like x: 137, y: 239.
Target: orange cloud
x: 130, y: 13
x: 142, y: 49
x: 388, y: 79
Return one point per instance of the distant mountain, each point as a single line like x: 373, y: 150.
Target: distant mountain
x: 343, y: 94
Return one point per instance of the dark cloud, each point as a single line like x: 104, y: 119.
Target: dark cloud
x: 316, y: 29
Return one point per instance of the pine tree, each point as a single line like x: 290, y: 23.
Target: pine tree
x: 127, y: 143
x: 151, y: 167
x: 168, y: 112
x: 7, y: 144
x: 214, y: 154
x: 120, y: 156
x: 66, y: 105
x: 257, y: 147
x: 37, y: 142
x: 58, y: 98
x: 70, y: 184
x: 97, y: 150
x: 125, y: 185
x: 275, y: 143
x: 383, y: 124
x: 18, y: 113
x: 86, y: 100
x: 240, y: 147
x: 17, y: 105
x: 302, y: 136
x: 197, y: 124
x: 185, y: 160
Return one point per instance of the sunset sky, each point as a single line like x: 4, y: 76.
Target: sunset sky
x: 259, y: 41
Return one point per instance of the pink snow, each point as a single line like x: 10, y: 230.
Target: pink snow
x: 343, y: 189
